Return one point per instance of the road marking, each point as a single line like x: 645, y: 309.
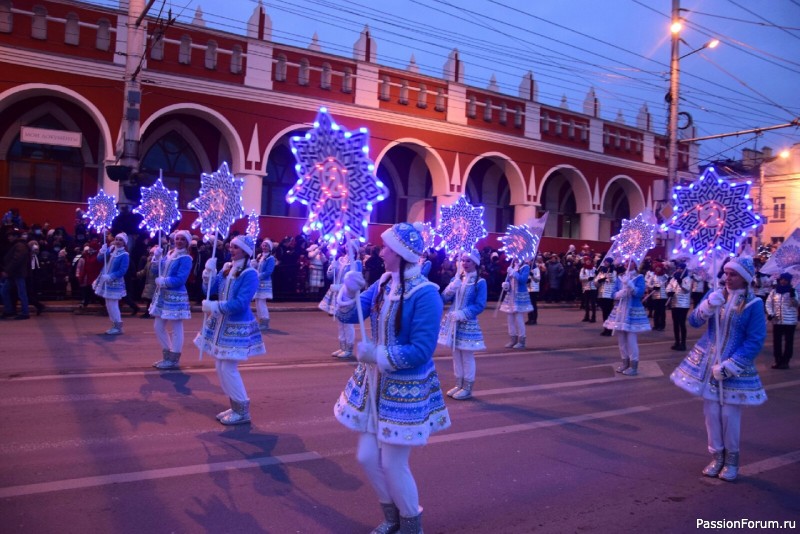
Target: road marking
x: 776, y: 462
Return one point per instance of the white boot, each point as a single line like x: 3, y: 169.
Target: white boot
x: 512, y: 342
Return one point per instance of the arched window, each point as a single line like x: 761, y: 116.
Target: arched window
x: 211, y: 55
x: 503, y: 113
x: 103, y: 41
x: 175, y: 158
x: 386, y: 88
x: 185, y: 53
x: 472, y: 107
x: 571, y: 129
x: 440, y: 106
x: 6, y: 18
x: 347, y: 80
x: 487, y: 110
x: 302, y: 74
x: 403, y: 92
x: 157, y: 45
x: 39, y: 26
x: 325, y: 80
x: 280, y: 68
x: 236, y: 59
x: 72, y: 30
x: 281, y: 176
x: 518, y: 117
x: 422, y: 96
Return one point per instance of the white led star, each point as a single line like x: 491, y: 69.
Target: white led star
x: 102, y: 211
x: 712, y: 214
x: 786, y: 259
x: 636, y: 237
x: 428, y: 235
x: 158, y: 208
x: 219, y: 203
x: 460, y: 226
x: 519, y: 242
x: 336, y: 180
x: 253, y: 228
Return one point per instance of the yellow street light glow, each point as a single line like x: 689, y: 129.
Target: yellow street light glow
x: 713, y: 43
x: 676, y: 27
x: 784, y: 153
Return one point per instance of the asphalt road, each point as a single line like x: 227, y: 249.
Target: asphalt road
x: 95, y: 440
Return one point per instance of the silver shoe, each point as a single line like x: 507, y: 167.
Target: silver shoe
x: 115, y: 330
x: 465, y: 392
x: 731, y: 469
x: 391, y: 522
x: 716, y: 464
x: 240, y: 414
x: 459, y: 385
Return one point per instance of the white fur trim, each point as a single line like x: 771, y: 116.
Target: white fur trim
x: 391, y: 240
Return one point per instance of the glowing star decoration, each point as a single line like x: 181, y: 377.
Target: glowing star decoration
x: 460, y: 227
x: 636, y: 237
x: 253, y: 229
x: 428, y: 235
x: 519, y: 242
x: 786, y: 259
x: 102, y: 211
x: 158, y: 208
x: 219, y: 203
x: 336, y: 180
x: 712, y: 215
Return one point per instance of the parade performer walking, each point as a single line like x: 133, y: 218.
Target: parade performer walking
x: 231, y: 334
x: 782, y: 312
x: 516, y: 304
x: 679, y: 293
x: 110, y: 285
x: 606, y: 280
x: 628, y: 318
x: 345, y: 332
x: 587, y: 277
x: 394, y: 398
x: 265, y: 266
x: 460, y: 329
x: 170, y: 305
x: 720, y: 367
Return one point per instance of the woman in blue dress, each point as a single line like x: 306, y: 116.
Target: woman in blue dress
x: 110, y: 285
x: 170, y: 305
x: 517, y: 303
x: 265, y: 265
x: 629, y: 318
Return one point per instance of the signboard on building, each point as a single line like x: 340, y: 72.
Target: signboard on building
x: 50, y: 137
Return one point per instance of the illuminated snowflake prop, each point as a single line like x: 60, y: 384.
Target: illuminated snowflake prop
x: 428, y: 235
x: 636, y: 237
x: 336, y: 180
x: 219, y: 203
x: 460, y: 227
x: 712, y: 215
x: 520, y: 242
x: 253, y: 228
x: 158, y: 208
x: 786, y: 259
x: 102, y: 211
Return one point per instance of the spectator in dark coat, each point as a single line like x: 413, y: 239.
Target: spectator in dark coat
x: 555, y: 272
x: 16, y: 262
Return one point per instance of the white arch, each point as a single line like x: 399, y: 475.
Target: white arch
x: 439, y: 174
x: 229, y: 133
x: 28, y: 90
x: 188, y: 136
x: 516, y: 181
x: 636, y: 202
x: 277, y: 137
x: 583, y: 196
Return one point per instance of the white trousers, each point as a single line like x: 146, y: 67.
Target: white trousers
x: 628, y: 345
x: 262, y: 312
x: 231, y: 380
x: 112, y: 306
x: 174, y: 341
x: 464, y: 364
x: 723, y: 425
x: 516, y: 324
x: 347, y: 333
x: 389, y: 473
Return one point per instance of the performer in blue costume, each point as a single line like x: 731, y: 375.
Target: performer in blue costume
x: 394, y: 398
x: 628, y: 318
x: 721, y: 369
x: 110, y: 285
x: 265, y: 266
x: 231, y: 334
x: 517, y: 303
x: 460, y: 329
x: 170, y: 305
x: 337, y: 268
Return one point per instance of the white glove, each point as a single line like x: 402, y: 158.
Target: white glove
x: 103, y: 279
x: 511, y: 271
x: 103, y: 249
x: 367, y: 352
x: 211, y: 306
x: 254, y: 264
x: 631, y: 284
x: 716, y: 299
x: 158, y: 253
x: 353, y: 283
x: 506, y: 286
x: 211, y: 264
x: 726, y: 369
x: 621, y: 294
x: 458, y: 315
x: 160, y: 281
x: 456, y: 283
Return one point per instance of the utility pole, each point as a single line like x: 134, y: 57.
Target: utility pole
x: 674, y: 81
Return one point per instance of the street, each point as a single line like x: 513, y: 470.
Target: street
x: 96, y: 440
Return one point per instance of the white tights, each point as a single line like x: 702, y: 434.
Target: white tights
x: 388, y: 471
x: 169, y: 342
x: 464, y: 364
x: 262, y: 312
x: 112, y: 306
x: 231, y: 380
x: 347, y: 333
x: 723, y: 425
x: 628, y: 345
x: 516, y: 324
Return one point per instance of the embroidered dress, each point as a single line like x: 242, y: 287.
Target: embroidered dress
x: 336, y: 271
x: 743, y: 334
x: 408, y: 404
x: 114, y: 287
x: 518, y: 300
x: 265, y: 267
x: 628, y: 314
x: 233, y: 334
x: 471, y: 299
x: 171, y: 301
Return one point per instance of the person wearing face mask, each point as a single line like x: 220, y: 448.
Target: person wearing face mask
x: 110, y: 285
x: 628, y: 318
x: 230, y: 333
x: 170, y: 305
x: 460, y: 329
x: 782, y: 313
x: 265, y: 266
x: 721, y: 369
x: 679, y: 292
x: 394, y: 399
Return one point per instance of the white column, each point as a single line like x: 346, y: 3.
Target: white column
x: 523, y: 214
x: 590, y: 225
x: 251, y: 193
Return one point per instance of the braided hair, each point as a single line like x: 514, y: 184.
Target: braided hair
x: 376, y: 308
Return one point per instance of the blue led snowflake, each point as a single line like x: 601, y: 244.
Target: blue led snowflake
x: 219, y: 203
x: 636, y: 237
x: 520, y: 242
x: 428, y: 235
x: 460, y: 227
x: 336, y: 180
x: 786, y: 259
x: 158, y: 208
x: 712, y: 214
x: 253, y: 228
x: 102, y: 211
